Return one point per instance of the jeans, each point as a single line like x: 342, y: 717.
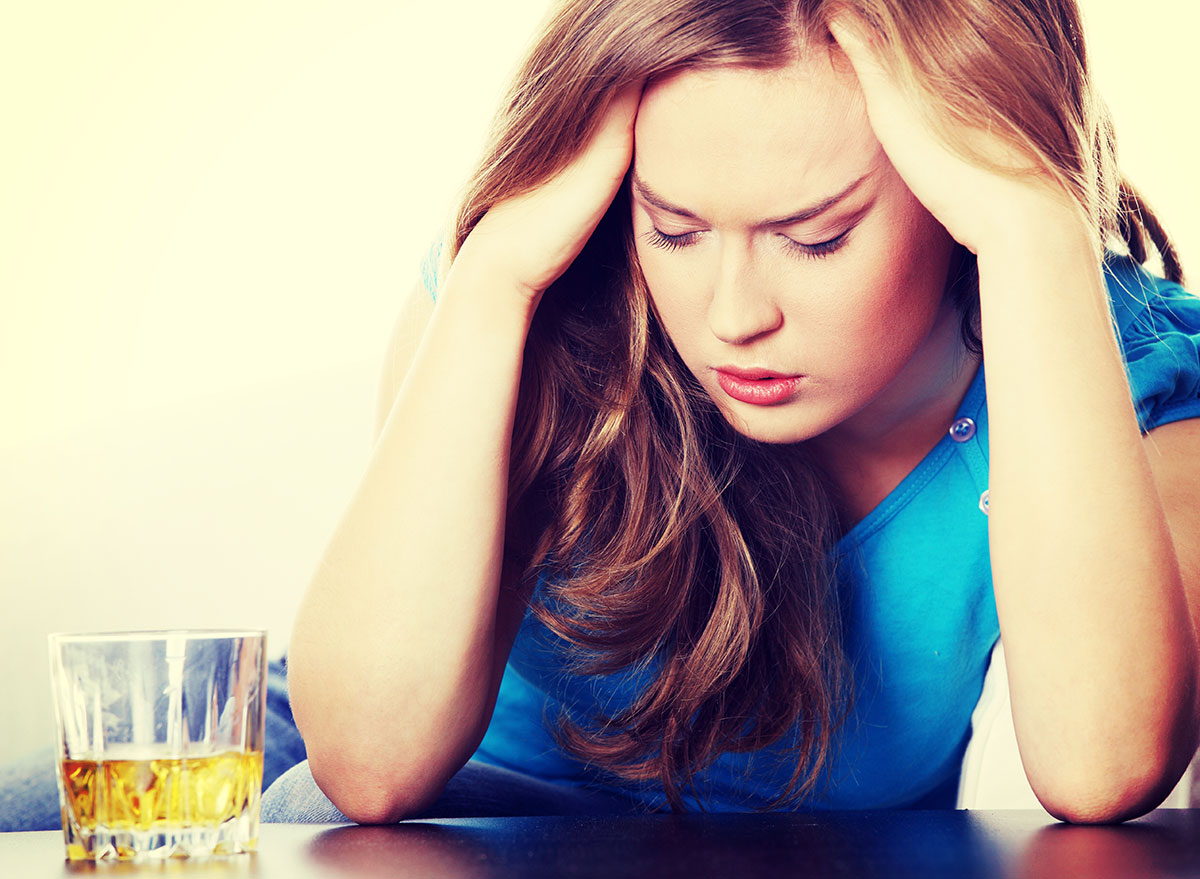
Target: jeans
x: 29, y: 789
x: 478, y: 790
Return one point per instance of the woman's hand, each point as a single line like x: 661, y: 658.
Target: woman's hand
x: 978, y: 205
x: 531, y: 239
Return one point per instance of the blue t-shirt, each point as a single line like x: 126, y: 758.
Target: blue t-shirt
x: 920, y: 618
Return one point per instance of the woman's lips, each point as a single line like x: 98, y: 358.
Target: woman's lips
x: 758, y: 387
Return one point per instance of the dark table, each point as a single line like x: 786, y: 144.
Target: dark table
x: 896, y: 844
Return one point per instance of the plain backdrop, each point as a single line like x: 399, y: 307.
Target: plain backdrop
x: 208, y: 213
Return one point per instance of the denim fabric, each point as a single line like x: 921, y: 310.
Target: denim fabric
x: 29, y: 793
x: 29, y: 789
x: 478, y: 790
x: 283, y: 747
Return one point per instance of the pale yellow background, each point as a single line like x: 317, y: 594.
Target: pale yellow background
x: 207, y: 214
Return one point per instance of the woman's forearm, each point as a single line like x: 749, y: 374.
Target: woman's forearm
x: 1100, y: 645
x: 393, y: 652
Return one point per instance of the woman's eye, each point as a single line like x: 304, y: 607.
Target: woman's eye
x: 658, y: 238
x: 816, y: 251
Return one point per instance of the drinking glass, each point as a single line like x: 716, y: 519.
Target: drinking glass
x: 160, y: 738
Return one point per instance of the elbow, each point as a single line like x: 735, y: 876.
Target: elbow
x: 1096, y: 807
x: 379, y: 768
x: 1118, y: 777
x: 366, y: 793
x: 1112, y: 795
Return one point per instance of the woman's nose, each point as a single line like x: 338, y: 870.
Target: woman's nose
x: 743, y: 304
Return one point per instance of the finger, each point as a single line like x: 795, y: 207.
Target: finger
x: 894, y: 115
x: 611, y: 146
x: 857, y: 41
x: 582, y: 191
x: 562, y: 212
x: 622, y: 110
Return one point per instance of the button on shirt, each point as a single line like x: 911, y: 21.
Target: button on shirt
x: 962, y: 429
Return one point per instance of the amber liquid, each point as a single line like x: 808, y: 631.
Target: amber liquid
x: 144, y: 802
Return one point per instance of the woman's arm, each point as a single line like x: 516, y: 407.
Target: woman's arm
x: 1090, y: 592
x: 1089, y: 587
x: 402, y: 637
x: 1173, y: 451
x: 396, y: 654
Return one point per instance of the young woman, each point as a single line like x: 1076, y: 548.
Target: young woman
x: 690, y: 492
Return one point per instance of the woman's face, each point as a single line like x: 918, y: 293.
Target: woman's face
x: 775, y: 235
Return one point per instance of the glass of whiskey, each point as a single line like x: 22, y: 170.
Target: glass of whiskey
x: 160, y: 742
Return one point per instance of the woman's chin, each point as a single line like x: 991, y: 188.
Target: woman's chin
x: 777, y: 425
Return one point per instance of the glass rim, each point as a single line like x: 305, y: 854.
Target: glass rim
x: 155, y: 635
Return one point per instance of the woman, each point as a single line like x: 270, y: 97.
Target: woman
x: 703, y: 390
x: 690, y: 494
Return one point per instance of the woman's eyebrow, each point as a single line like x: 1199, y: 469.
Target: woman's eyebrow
x: 652, y: 197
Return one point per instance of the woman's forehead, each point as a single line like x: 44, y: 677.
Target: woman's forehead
x: 743, y: 141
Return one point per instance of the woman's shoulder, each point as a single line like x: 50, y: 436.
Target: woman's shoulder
x: 1143, y: 303
x: 1158, y: 327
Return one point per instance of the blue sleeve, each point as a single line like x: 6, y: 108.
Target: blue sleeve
x: 429, y: 268
x: 1158, y: 324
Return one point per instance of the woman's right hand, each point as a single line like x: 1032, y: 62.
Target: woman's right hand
x: 531, y: 239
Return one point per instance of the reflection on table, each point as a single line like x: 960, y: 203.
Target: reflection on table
x: 898, y: 844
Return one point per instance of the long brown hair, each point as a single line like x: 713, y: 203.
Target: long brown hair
x: 665, y: 535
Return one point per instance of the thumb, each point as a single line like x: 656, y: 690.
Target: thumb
x: 859, y: 43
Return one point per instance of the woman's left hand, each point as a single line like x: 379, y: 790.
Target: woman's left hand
x: 980, y: 207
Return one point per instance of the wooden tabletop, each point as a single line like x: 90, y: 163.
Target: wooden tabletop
x: 895, y: 844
